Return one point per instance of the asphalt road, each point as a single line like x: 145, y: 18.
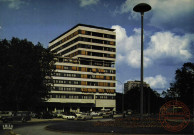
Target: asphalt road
x: 38, y: 130
x: 70, y: 127
x: 38, y: 127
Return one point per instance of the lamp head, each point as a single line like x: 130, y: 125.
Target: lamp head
x: 142, y: 7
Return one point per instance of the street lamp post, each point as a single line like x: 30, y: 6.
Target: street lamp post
x: 141, y: 8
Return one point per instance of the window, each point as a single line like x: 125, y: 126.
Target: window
x: 112, y: 55
x: 57, y: 74
x: 101, y: 70
x: 97, y: 34
x: 75, y: 33
x: 83, y: 83
x: 93, y: 69
x: 108, y: 78
x: 101, y: 77
x: 100, y: 84
x: 84, y: 69
x: 60, y: 81
x: 84, y: 89
x: 61, y: 88
x: 83, y: 76
x: 66, y: 68
x: 83, y: 32
x: 105, y: 84
x: 58, y: 67
x: 112, y: 43
x: 111, y: 84
x: 76, y: 82
x: 83, y: 52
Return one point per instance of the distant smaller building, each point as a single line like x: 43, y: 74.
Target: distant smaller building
x: 131, y: 84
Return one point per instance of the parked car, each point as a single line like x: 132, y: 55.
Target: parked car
x: 59, y: 114
x: 47, y: 115
x: 107, y: 115
x: 44, y: 115
x: 85, y: 116
x: 100, y: 113
x: 78, y: 114
x: 94, y: 113
x: 54, y: 115
x: 17, y: 116
x: 5, y: 114
x: 68, y: 116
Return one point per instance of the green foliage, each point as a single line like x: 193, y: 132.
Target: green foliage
x: 119, y: 102
x: 152, y: 100
x: 24, y: 67
x: 183, y: 87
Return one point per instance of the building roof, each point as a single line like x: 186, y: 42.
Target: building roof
x: 85, y: 25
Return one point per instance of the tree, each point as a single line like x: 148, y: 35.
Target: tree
x: 119, y: 102
x: 24, y: 68
x: 152, y: 100
x: 183, y: 87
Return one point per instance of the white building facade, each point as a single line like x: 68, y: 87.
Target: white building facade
x: 85, y: 73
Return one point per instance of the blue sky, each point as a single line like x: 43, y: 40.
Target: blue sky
x: 168, y: 30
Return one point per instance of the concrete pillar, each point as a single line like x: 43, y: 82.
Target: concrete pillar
x: 91, y: 109
x: 55, y: 109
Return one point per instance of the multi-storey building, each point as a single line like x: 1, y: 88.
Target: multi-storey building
x: 132, y: 84
x: 85, y: 75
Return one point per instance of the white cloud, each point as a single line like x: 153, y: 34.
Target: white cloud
x: 127, y: 47
x: 156, y: 82
x: 162, y: 46
x: 163, y: 11
x: 84, y: 3
x: 14, y: 4
x: 119, y: 87
x: 168, y: 45
x: 166, y: 11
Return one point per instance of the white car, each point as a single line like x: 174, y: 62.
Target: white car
x: 78, y: 114
x: 85, y: 116
x: 59, y: 115
x: 68, y: 116
x: 94, y: 113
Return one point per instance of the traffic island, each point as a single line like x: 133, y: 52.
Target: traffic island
x: 117, y: 126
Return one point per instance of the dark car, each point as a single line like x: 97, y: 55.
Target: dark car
x: 47, y: 115
x: 17, y: 116
x: 44, y: 115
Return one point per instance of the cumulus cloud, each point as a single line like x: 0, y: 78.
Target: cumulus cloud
x: 157, y: 81
x: 84, y: 3
x: 162, y: 46
x: 166, y: 11
x: 119, y: 87
x: 14, y: 4
x: 127, y: 47
x: 168, y: 45
x: 163, y: 11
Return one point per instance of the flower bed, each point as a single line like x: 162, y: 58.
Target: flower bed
x: 132, y: 122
